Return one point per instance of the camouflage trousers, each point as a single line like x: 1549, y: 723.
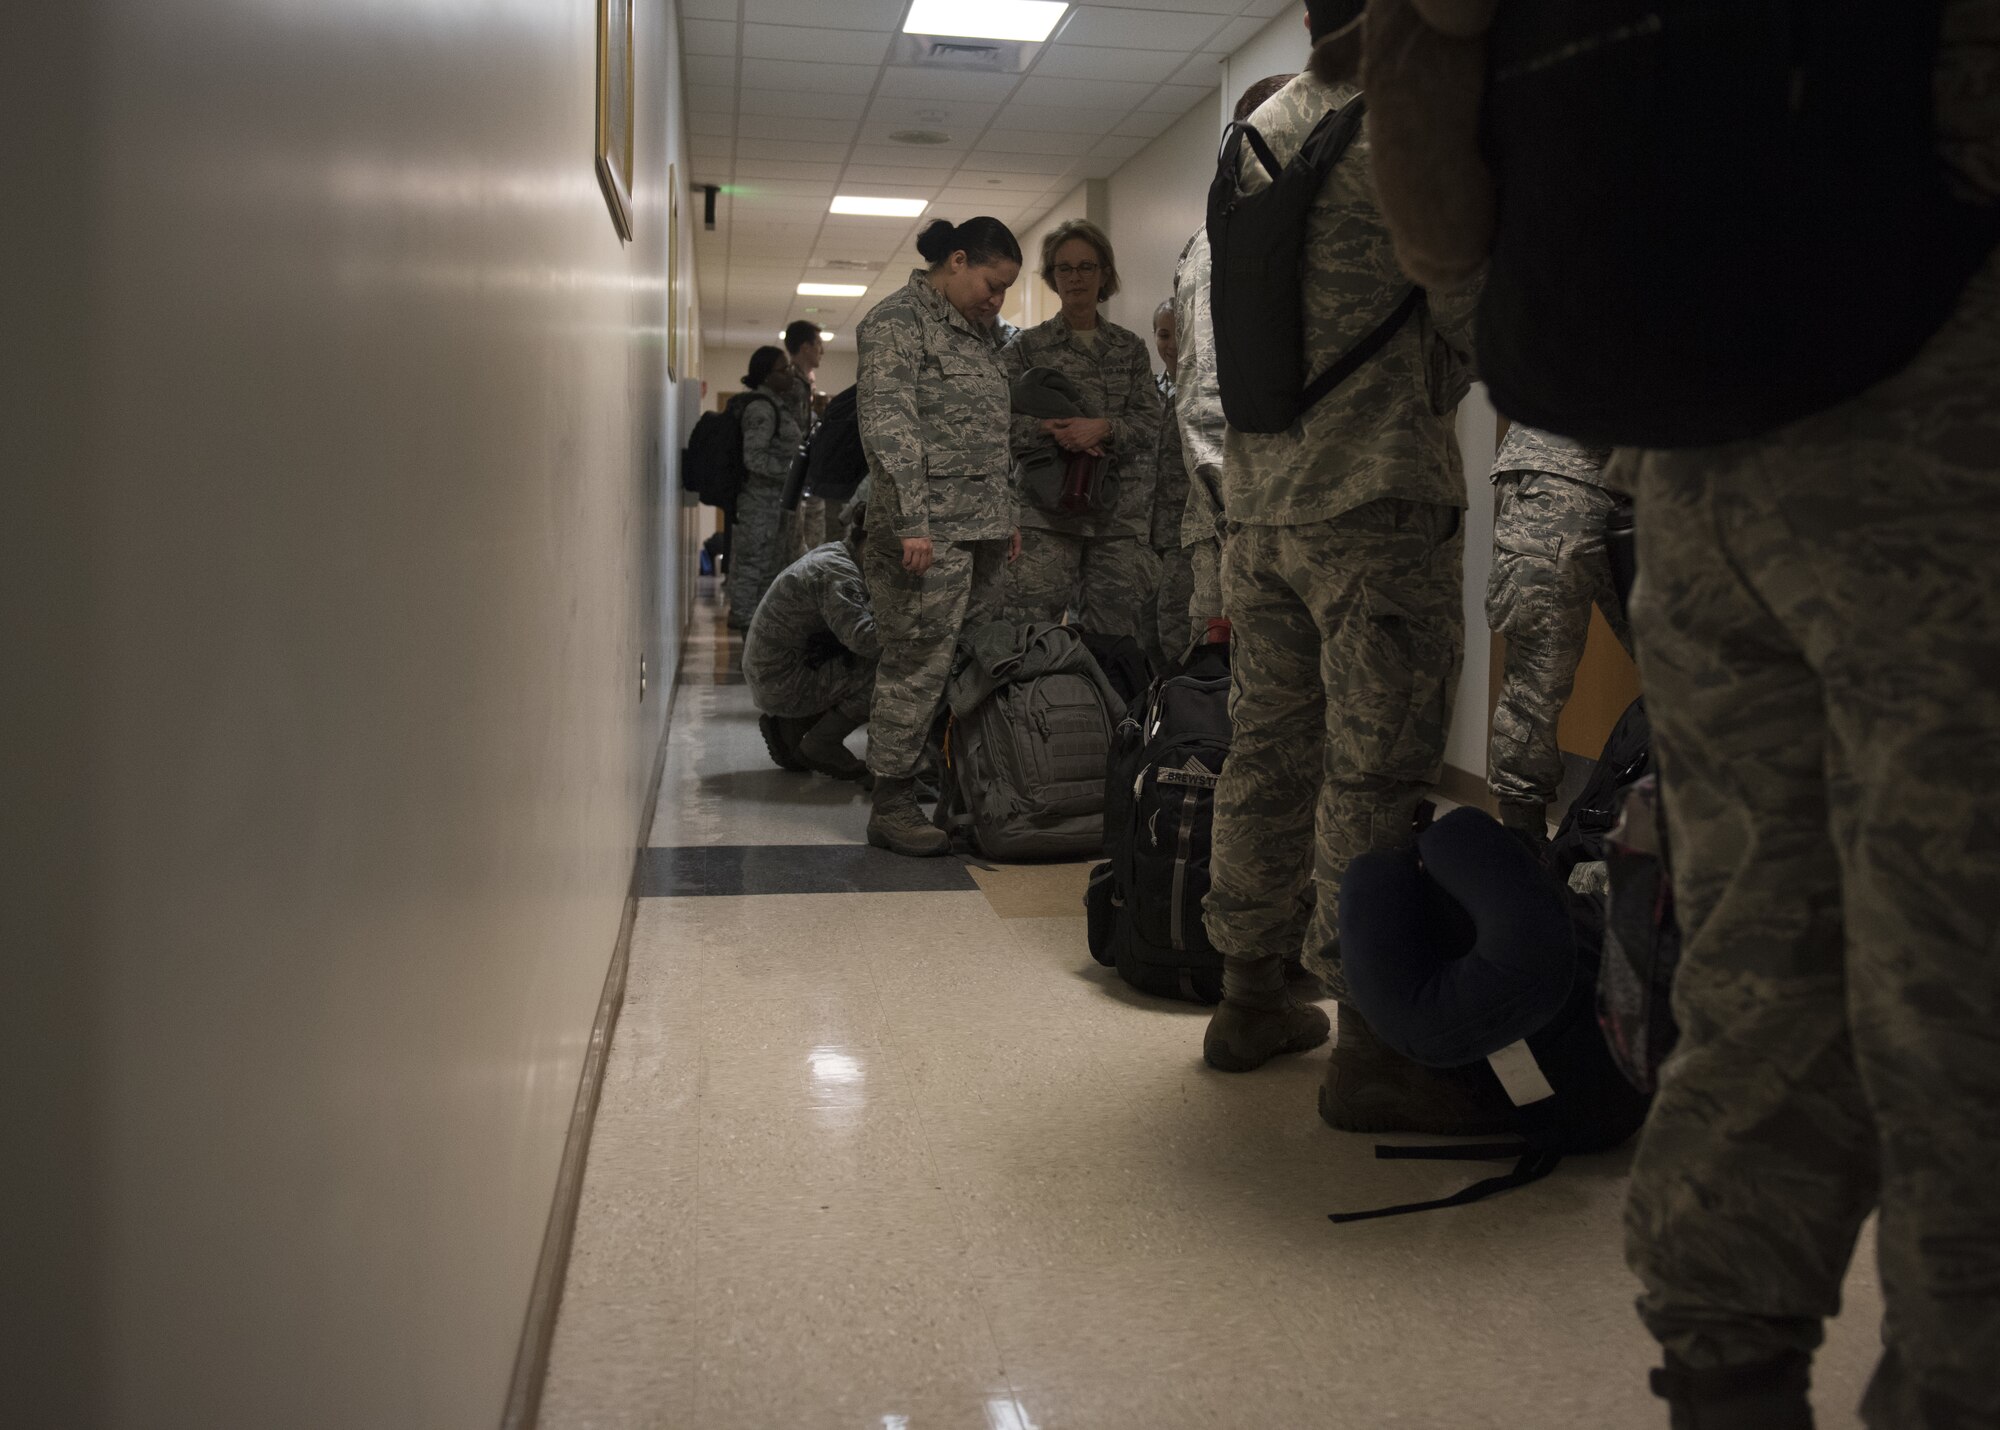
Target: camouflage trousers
x: 795, y: 690
x: 1205, y: 559
x: 812, y: 523
x: 1172, y: 605
x: 759, y: 546
x: 1550, y: 566
x: 918, y: 619
x: 1347, y: 636
x: 1104, y: 584
x: 1818, y: 620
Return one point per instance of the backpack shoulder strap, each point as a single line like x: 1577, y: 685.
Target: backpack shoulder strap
x: 1352, y: 361
x: 1334, y: 135
x: 1535, y: 1163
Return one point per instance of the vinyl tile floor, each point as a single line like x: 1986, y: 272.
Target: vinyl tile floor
x: 883, y: 1149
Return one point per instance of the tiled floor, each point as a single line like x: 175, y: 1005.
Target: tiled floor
x: 909, y: 1160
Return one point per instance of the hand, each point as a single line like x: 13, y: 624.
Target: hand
x: 1014, y: 547
x: 1080, y: 434
x: 917, y: 554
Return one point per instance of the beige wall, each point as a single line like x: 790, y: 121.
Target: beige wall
x: 340, y: 476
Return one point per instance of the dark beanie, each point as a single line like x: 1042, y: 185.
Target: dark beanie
x: 1329, y: 15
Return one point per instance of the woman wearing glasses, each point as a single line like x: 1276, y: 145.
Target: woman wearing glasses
x: 1086, y: 481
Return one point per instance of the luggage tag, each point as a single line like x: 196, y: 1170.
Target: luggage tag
x: 1521, y: 1074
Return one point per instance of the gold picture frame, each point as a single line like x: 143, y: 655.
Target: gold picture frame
x: 615, y: 83
x: 673, y: 273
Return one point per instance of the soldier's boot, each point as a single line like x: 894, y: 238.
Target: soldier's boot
x: 1369, y: 1088
x: 1528, y: 823
x: 897, y: 823
x: 781, y: 741
x: 824, y: 748
x: 1769, y: 1395
x: 1258, y: 1018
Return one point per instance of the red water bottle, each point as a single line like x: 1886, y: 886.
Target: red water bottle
x: 1218, y: 631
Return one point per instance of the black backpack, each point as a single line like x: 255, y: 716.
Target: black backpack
x: 713, y: 467
x: 1716, y: 216
x: 1144, y: 906
x: 835, y: 461
x: 1257, y: 255
x: 1124, y: 664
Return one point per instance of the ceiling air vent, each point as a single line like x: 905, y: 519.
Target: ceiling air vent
x: 942, y: 52
x: 919, y: 136
x: 851, y: 265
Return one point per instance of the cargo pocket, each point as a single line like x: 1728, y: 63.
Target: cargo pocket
x: 1526, y: 548
x: 1397, y: 710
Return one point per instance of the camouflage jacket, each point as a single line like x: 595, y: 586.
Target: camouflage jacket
x: 819, y: 595
x: 1529, y: 449
x: 1171, y: 489
x: 933, y: 404
x: 1116, y: 379
x: 771, y: 436
x: 1197, y: 393
x: 1388, y: 431
x: 801, y: 401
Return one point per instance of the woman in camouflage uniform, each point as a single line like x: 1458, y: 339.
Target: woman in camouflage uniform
x: 771, y: 437
x: 933, y: 407
x: 1101, y: 568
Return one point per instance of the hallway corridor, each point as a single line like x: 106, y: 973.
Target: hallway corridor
x: 881, y: 1148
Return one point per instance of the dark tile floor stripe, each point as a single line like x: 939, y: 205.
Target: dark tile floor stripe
x: 794, y: 869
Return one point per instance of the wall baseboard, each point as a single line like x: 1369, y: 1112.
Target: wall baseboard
x: 1464, y: 787
x: 538, y: 1332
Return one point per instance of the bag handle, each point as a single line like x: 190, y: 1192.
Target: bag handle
x: 1535, y: 1164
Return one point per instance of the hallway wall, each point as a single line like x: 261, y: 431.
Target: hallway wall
x: 345, y: 447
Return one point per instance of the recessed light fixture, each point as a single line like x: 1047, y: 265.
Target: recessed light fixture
x: 1029, y: 20
x: 832, y: 290
x: 878, y: 208
x: 826, y: 335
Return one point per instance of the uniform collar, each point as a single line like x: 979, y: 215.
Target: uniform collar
x: 936, y: 305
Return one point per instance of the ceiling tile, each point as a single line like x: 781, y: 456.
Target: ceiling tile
x: 711, y: 99
x: 915, y: 83
x: 1139, y: 122
x: 713, y: 125
x: 709, y: 37
x: 820, y: 131
x: 818, y: 185
x: 1036, y: 141
x: 790, y: 149
x: 1098, y: 62
x: 710, y: 70
x: 834, y: 47
x: 1200, y: 71
x: 709, y: 9
x: 796, y: 104
x: 803, y: 75
x: 1176, y: 99
x: 951, y: 116
x: 1049, y: 116
x: 1081, y: 93
x: 1192, y: 7
x: 909, y: 156
x: 1269, y: 9
x: 886, y: 181
x: 1238, y: 33
x: 882, y: 15
x: 1116, y: 146
x: 1001, y: 181
x: 1139, y: 29
x: 1014, y: 162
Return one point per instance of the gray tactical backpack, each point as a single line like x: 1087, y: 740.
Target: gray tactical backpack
x: 1024, y: 768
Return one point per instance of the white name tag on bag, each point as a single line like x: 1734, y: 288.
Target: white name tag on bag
x: 1520, y: 1074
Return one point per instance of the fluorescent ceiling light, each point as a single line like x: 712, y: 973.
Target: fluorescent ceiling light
x: 826, y: 335
x: 878, y: 208
x: 832, y: 290
x: 1029, y: 20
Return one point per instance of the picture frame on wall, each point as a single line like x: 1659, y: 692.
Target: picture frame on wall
x: 615, y: 83
x: 673, y: 273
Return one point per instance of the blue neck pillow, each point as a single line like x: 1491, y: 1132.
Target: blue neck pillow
x: 1457, y: 948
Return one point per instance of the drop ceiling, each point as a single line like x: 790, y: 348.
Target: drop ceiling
x: 792, y: 101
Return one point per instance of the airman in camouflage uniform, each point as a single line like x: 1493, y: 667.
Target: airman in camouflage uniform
x: 1818, y: 623
x: 759, y: 540
x: 1101, y: 570
x: 1550, y: 566
x: 933, y: 404
x: 1342, y: 572
x: 1199, y: 419
x: 809, y: 660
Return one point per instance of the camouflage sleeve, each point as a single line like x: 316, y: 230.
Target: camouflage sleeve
x: 891, y: 357
x: 1024, y: 433
x: 1137, y: 429
x: 760, y: 436
x: 848, y: 613
x: 1452, y: 312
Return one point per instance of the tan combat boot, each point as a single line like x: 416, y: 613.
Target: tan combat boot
x: 898, y: 824
x: 1258, y: 1018
x: 1369, y: 1088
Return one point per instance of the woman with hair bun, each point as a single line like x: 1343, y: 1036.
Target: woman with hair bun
x: 933, y: 407
x: 1091, y: 555
x: 771, y: 438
